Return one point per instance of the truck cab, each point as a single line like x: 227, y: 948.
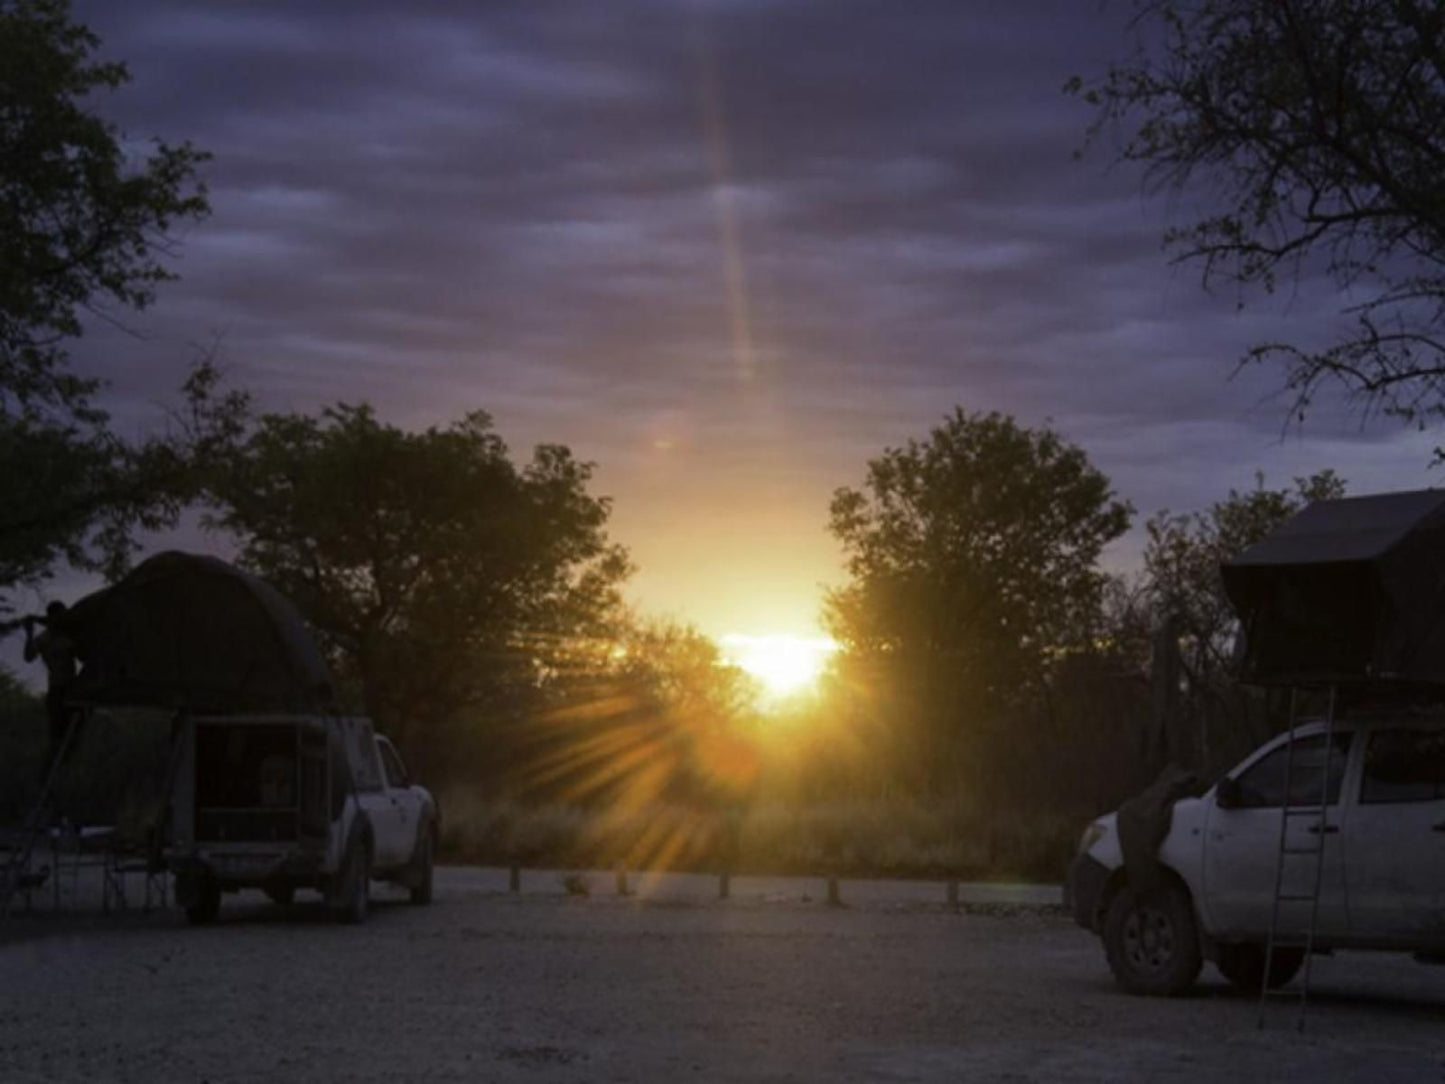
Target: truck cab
x: 287, y: 802
x: 1378, y: 854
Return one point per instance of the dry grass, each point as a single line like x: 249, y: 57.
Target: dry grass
x: 862, y: 839
x: 116, y: 773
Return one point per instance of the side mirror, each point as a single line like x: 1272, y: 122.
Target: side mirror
x: 1228, y: 794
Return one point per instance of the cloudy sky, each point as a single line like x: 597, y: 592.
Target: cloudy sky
x: 728, y: 249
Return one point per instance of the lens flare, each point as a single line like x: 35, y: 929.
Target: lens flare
x: 784, y: 664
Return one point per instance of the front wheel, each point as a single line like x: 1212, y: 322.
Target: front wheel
x: 1152, y: 941
x: 1243, y: 966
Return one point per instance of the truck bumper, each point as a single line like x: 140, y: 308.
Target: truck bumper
x: 243, y: 869
x: 1085, y: 889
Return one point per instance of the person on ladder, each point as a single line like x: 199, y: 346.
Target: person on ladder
x: 55, y: 647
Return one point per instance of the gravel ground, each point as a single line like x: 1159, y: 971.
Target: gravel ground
x: 767, y: 986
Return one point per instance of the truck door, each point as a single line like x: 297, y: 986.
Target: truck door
x: 406, y: 802
x: 1241, y: 844
x: 371, y: 793
x: 1395, y: 839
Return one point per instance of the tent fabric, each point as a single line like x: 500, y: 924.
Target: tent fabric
x: 1350, y: 529
x: 1346, y: 591
x: 189, y: 632
x: 1144, y: 821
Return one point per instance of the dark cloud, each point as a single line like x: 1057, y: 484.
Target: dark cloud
x: 726, y: 247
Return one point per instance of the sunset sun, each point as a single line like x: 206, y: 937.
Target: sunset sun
x: 785, y: 664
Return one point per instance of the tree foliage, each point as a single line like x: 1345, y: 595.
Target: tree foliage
x: 1201, y: 716
x: 445, y: 581
x: 972, y: 563
x: 1319, y: 127
x: 82, y: 224
x: 83, y: 227
x: 659, y: 717
x: 1182, y: 560
x: 980, y: 542
x: 81, y: 497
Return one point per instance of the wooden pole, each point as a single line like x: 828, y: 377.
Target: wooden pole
x: 620, y: 876
x: 834, y: 898
x: 724, y: 885
x: 514, y: 883
x: 953, y: 895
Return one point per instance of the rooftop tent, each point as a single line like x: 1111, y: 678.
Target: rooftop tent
x: 192, y: 632
x: 1346, y: 591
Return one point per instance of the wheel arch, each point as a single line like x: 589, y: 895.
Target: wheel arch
x: 362, y: 830
x: 1119, y: 880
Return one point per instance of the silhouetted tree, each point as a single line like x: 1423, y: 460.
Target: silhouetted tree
x: 1194, y: 624
x: 1319, y: 125
x: 449, y: 585
x: 83, y: 226
x: 972, y: 563
x: 660, y: 716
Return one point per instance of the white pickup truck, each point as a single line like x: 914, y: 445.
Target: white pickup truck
x: 1381, y: 885
x: 281, y: 802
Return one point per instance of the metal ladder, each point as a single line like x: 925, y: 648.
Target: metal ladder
x: 1285, y: 853
x: 18, y: 866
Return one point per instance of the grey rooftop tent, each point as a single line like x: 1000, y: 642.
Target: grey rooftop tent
x: 193, y: 633
x: 1346, y: 591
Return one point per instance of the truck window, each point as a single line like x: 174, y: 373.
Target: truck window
x: 391, y: 761
x: 361, y: 752
x: 1263, y: 785
x: 1404, y: 766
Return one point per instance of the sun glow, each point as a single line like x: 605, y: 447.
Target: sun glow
x: 784, y: 664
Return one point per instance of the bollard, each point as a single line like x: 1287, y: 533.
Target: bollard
x: 834, y: 899
x: 953, y: 895
x: 514, y: 883
x: 724, y: 885
x: 620, y: 876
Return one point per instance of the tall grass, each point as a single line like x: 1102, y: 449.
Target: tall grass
x: 856, y: 839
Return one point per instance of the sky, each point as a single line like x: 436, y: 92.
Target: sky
x: 727, y: 249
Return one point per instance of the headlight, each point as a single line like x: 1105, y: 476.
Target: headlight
x: 1092, y: 835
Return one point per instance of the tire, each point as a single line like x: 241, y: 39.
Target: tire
x: 353, y: 891
x: 282, y: 895
x: 1243, y: 966
x: 423, y: 863
x: 207, y: 905
x: 1152, y: 941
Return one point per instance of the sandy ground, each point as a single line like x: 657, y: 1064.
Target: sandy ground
x: 768, y: 986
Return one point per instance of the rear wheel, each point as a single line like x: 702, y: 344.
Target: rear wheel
x: 281, y: 894
x: 1243, y: 966
x: 351, y: 893
x: 422, y: 865
x: 1152, y: 941
x: 206, y: 905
